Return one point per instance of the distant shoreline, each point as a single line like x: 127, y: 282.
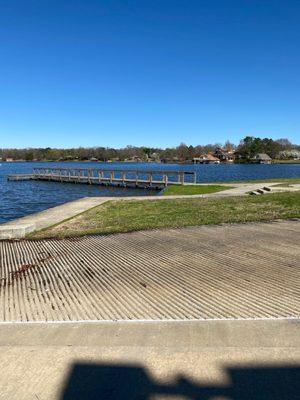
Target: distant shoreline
x: 146, y: 162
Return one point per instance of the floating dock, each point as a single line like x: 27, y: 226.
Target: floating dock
x: 110, y: 177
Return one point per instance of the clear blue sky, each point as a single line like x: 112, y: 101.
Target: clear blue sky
x: 155, y: 72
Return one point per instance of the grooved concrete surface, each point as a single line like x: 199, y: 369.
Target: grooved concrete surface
x: 210, y: 272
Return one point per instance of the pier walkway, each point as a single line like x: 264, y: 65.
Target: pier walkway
x: 155, y: 179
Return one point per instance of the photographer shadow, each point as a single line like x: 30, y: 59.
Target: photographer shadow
x: 132, y: 382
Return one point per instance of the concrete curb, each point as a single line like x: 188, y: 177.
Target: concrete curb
x: 17, y: 231
x: 176, y: 334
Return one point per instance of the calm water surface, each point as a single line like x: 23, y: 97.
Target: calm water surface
x: 22, y: 198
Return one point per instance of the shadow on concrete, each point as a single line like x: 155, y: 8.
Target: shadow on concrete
x: 132, y: 382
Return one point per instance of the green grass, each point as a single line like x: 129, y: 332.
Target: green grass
x: 185, y: 190
x: 134, y: 215
x: 276, y: 161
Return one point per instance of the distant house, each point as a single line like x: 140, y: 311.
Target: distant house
x: 224, y: 155
x: 68, y: 158
x: 237, y: 155
x: 206, y: 159
x: 261, y: 158
x: 8, y: 159
x: 133, y: 159
x: 154, y: 157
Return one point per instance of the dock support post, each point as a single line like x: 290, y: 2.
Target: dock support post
x: 166, y: 180
x: 182, y: 178
x: 195, y: 177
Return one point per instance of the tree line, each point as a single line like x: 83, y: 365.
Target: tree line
x: 247, y: 148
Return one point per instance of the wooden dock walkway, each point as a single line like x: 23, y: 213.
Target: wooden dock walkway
x: 114, y: 177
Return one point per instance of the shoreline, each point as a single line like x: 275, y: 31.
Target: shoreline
x: 21, y: 227
x: 150, y: 162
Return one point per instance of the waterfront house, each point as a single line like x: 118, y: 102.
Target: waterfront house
x: 224, y: 155
x: 154, y: 157
x: 206, y: 159
x: 133, y: 159
x: 237, y: 155
x: 261, y: 158
x: 198, y: 160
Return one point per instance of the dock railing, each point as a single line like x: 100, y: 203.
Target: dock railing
x: 119, y: 177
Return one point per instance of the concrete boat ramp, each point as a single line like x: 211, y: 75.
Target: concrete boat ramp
x: 195, y: 313
x: 245, y: 271
x: 206, y: 313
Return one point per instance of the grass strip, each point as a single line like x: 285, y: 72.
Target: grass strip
x: 185, y: 190
x: 134, y: 215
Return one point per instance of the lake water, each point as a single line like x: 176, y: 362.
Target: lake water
x: 26, y: 197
